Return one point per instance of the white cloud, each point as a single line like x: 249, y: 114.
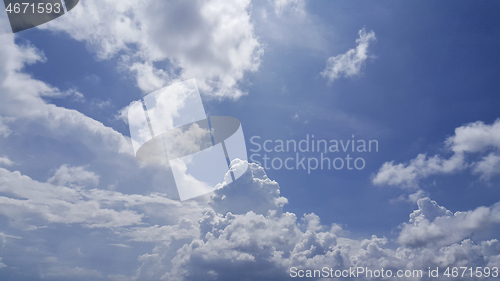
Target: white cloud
x: 475, y: 137
x: 219, y: 244
x: 73, y: 177
x: 4, y: 129
x: 224, y: 245
x: 433, y: 225
x: 233, y: 240
x: 281, y: 6
x: 469, y: 140
x: 22, y: 98
x: 253, y: 191
x: 351, y: 62
x: 230, y: 245
x: 6, y: 161
x: 59, y: 204
x: 3, y: 238
x: 488, y: 167
x: 212, y: 41
x: 407, y: 176
x: 75, y: 94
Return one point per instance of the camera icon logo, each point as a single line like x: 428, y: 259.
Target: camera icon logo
x: 170, y: 127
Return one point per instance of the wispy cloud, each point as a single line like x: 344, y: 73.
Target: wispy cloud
x: 6, y: 161
x: 351, y: 62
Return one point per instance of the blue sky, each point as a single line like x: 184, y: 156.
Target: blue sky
x: 421, y: 78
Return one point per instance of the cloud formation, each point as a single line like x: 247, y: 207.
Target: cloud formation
x: 6, y: 161
x: 470, y: 140
x: 73, y: 176
x: 350, y: 63
x: 225, y: 246
x: 242, y: 230
x: 229, y: 239
x: 213, y: 41
x: 432, y: 224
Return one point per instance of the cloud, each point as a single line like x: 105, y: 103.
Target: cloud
x: 75, y: 94
x: 73, y: 176
x: 281, y: 6
x: 233, y: 240
x: 407, y: 176
x: 22, y: 98
x: 56, y: 204
x: 434, y: 225
x: 287, y: 24
x: 475, y: 137
x: 26, y: 198
x: 351, y: 62
x: 225, y: 245
x: 213, y: 41
x: 238, y: 237
x: 468, y: 141
x: 488, y: 167
x: 4, y: 129
x: 228, y: 246
x: 6, y: 161
x: 253, y: 191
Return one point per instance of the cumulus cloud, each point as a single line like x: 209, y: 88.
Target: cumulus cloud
x: 475, y: 137
x: 407, y: 176
x: 224, y: 244
x: 469, y: 140
x: 231, y: 245
x: 351, y: 62
x: 233, y: 239
x: 253, y: 191
x: 432, y: 224
x: 213, y: 41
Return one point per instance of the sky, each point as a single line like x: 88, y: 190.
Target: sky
x: 419, y: 78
